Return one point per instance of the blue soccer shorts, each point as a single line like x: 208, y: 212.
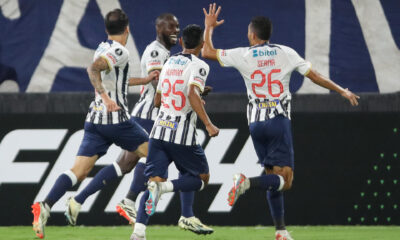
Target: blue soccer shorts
x: 273, y: 142
x: 98, y: 137
x: 188, y: 159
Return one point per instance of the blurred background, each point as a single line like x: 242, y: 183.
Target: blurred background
x: 347, y: 168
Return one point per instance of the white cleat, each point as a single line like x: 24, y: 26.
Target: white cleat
x: 40, y: 215
x: 72, y: 212
x: 134, y: 236
x: 127, y: 211
x: 154, y: 196
x: 283, y: 235
x: 195, y: 225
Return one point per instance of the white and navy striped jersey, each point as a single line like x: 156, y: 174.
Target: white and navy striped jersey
x: 176, y: 121
x: 266, y: 70
x: 115, y: 81
x: 153, y: 58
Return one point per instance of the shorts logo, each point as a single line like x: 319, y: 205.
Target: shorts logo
x: 268, y: 104
x: 167, y: 124
x: 118, y: 51
x: 154, y: 54
x: 202, y: 72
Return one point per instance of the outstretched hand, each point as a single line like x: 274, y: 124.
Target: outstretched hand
x: 211, y: 18
x: 351, y: 97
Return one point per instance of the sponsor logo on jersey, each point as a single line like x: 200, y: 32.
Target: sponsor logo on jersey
x: 154, y: 54
x: 177, y: 61
x: 202, y: 72
x: 167, y: 124
x: 263, y: 53
x: 268, y: 104
x: 118, y: 51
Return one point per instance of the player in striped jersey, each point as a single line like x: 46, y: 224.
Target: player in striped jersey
x: 107, y: 121
x: 173, y: 137
x: 144, y: 113
x: 266, y: 70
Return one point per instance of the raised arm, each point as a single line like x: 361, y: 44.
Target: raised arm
x: 143, y: 81
x: 198, y: 107
x: 210, y: 22
x: 94, y: 72
x: 322, y: 81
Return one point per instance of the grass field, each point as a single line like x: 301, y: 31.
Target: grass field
x: 221, y: 233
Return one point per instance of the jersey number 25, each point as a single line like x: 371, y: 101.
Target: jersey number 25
x: 174, y: 92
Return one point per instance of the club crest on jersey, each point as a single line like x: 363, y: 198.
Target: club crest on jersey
x: 167, y: 124
x: 268, y: 104
x: 263, y: 53
x: 202, y: 72
x: 154, y: 53
x: 118, y: 51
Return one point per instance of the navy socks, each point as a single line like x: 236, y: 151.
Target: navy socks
x: 64, y: 182
x: 139, y: 181
x: 276, y: 207
x: 270, y: 182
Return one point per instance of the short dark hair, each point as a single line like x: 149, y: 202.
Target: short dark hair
x: 116, y: 21
x: 163, y: 17
x: 192, y: 36
x: 262, y: 27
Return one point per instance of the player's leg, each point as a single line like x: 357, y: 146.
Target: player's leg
x: 139, y: 180
x: 92, y: 146
x: 134, y: 143
x: 156, y: 168
x: 276, y: 201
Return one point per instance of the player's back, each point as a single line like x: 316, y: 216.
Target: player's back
x: 266, y: 70
x: 115, y: 81
x: 176, y: 121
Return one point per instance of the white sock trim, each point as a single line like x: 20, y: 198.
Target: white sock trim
x: 282, y: 182
x: 202, y: 185
x: 71, y: 176
x: 117, y: 169
x: 142, y: 160
x: 140, y: 229
x: 167, y: 187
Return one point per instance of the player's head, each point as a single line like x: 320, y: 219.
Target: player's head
x: 192, y: 38
x: 260, y: 29
x: 167, y: 27
x: 116, y: 22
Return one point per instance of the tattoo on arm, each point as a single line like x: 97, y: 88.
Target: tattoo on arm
x: 94, y: 74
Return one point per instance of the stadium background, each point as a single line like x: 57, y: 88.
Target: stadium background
x: 347, y: 163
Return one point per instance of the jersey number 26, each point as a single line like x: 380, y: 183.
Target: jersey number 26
x: 270, y: 82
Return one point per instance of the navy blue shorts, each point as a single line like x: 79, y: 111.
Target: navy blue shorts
x: 147, y: 124
x: 273, y: 142
x: 98, y: 137
x: 189, y: 160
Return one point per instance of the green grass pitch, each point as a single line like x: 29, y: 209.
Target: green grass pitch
x: 221, y: 233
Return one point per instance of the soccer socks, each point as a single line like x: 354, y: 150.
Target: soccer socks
x: 105, y: 175
x: 138, y: 184
x: 142, y: 216
x: 270, y: 182
x: 62, y: 184
x: 186, y: 184
x: 187, y: 199
x: 276, y: 207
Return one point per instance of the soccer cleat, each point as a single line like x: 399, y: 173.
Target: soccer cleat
x: 134, y: 236
x: 40, y: 216
x: 240, y: 185
x: 127, y: 211
x: 154, y: 195
x: 72, y: 212
x: 193, y: 224
x: 283, y: 235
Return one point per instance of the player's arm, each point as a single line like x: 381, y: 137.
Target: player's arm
x: 94, y: 72
x: 198, y: 106
x: 143, y: 81
x: 210, y: 22
x: 325, y: 82
x: 157, y: 99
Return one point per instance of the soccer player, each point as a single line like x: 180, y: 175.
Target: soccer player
x: 144, y: 113
x: 107, y: 121
x: 173, y: 137
x: 266, y: 70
